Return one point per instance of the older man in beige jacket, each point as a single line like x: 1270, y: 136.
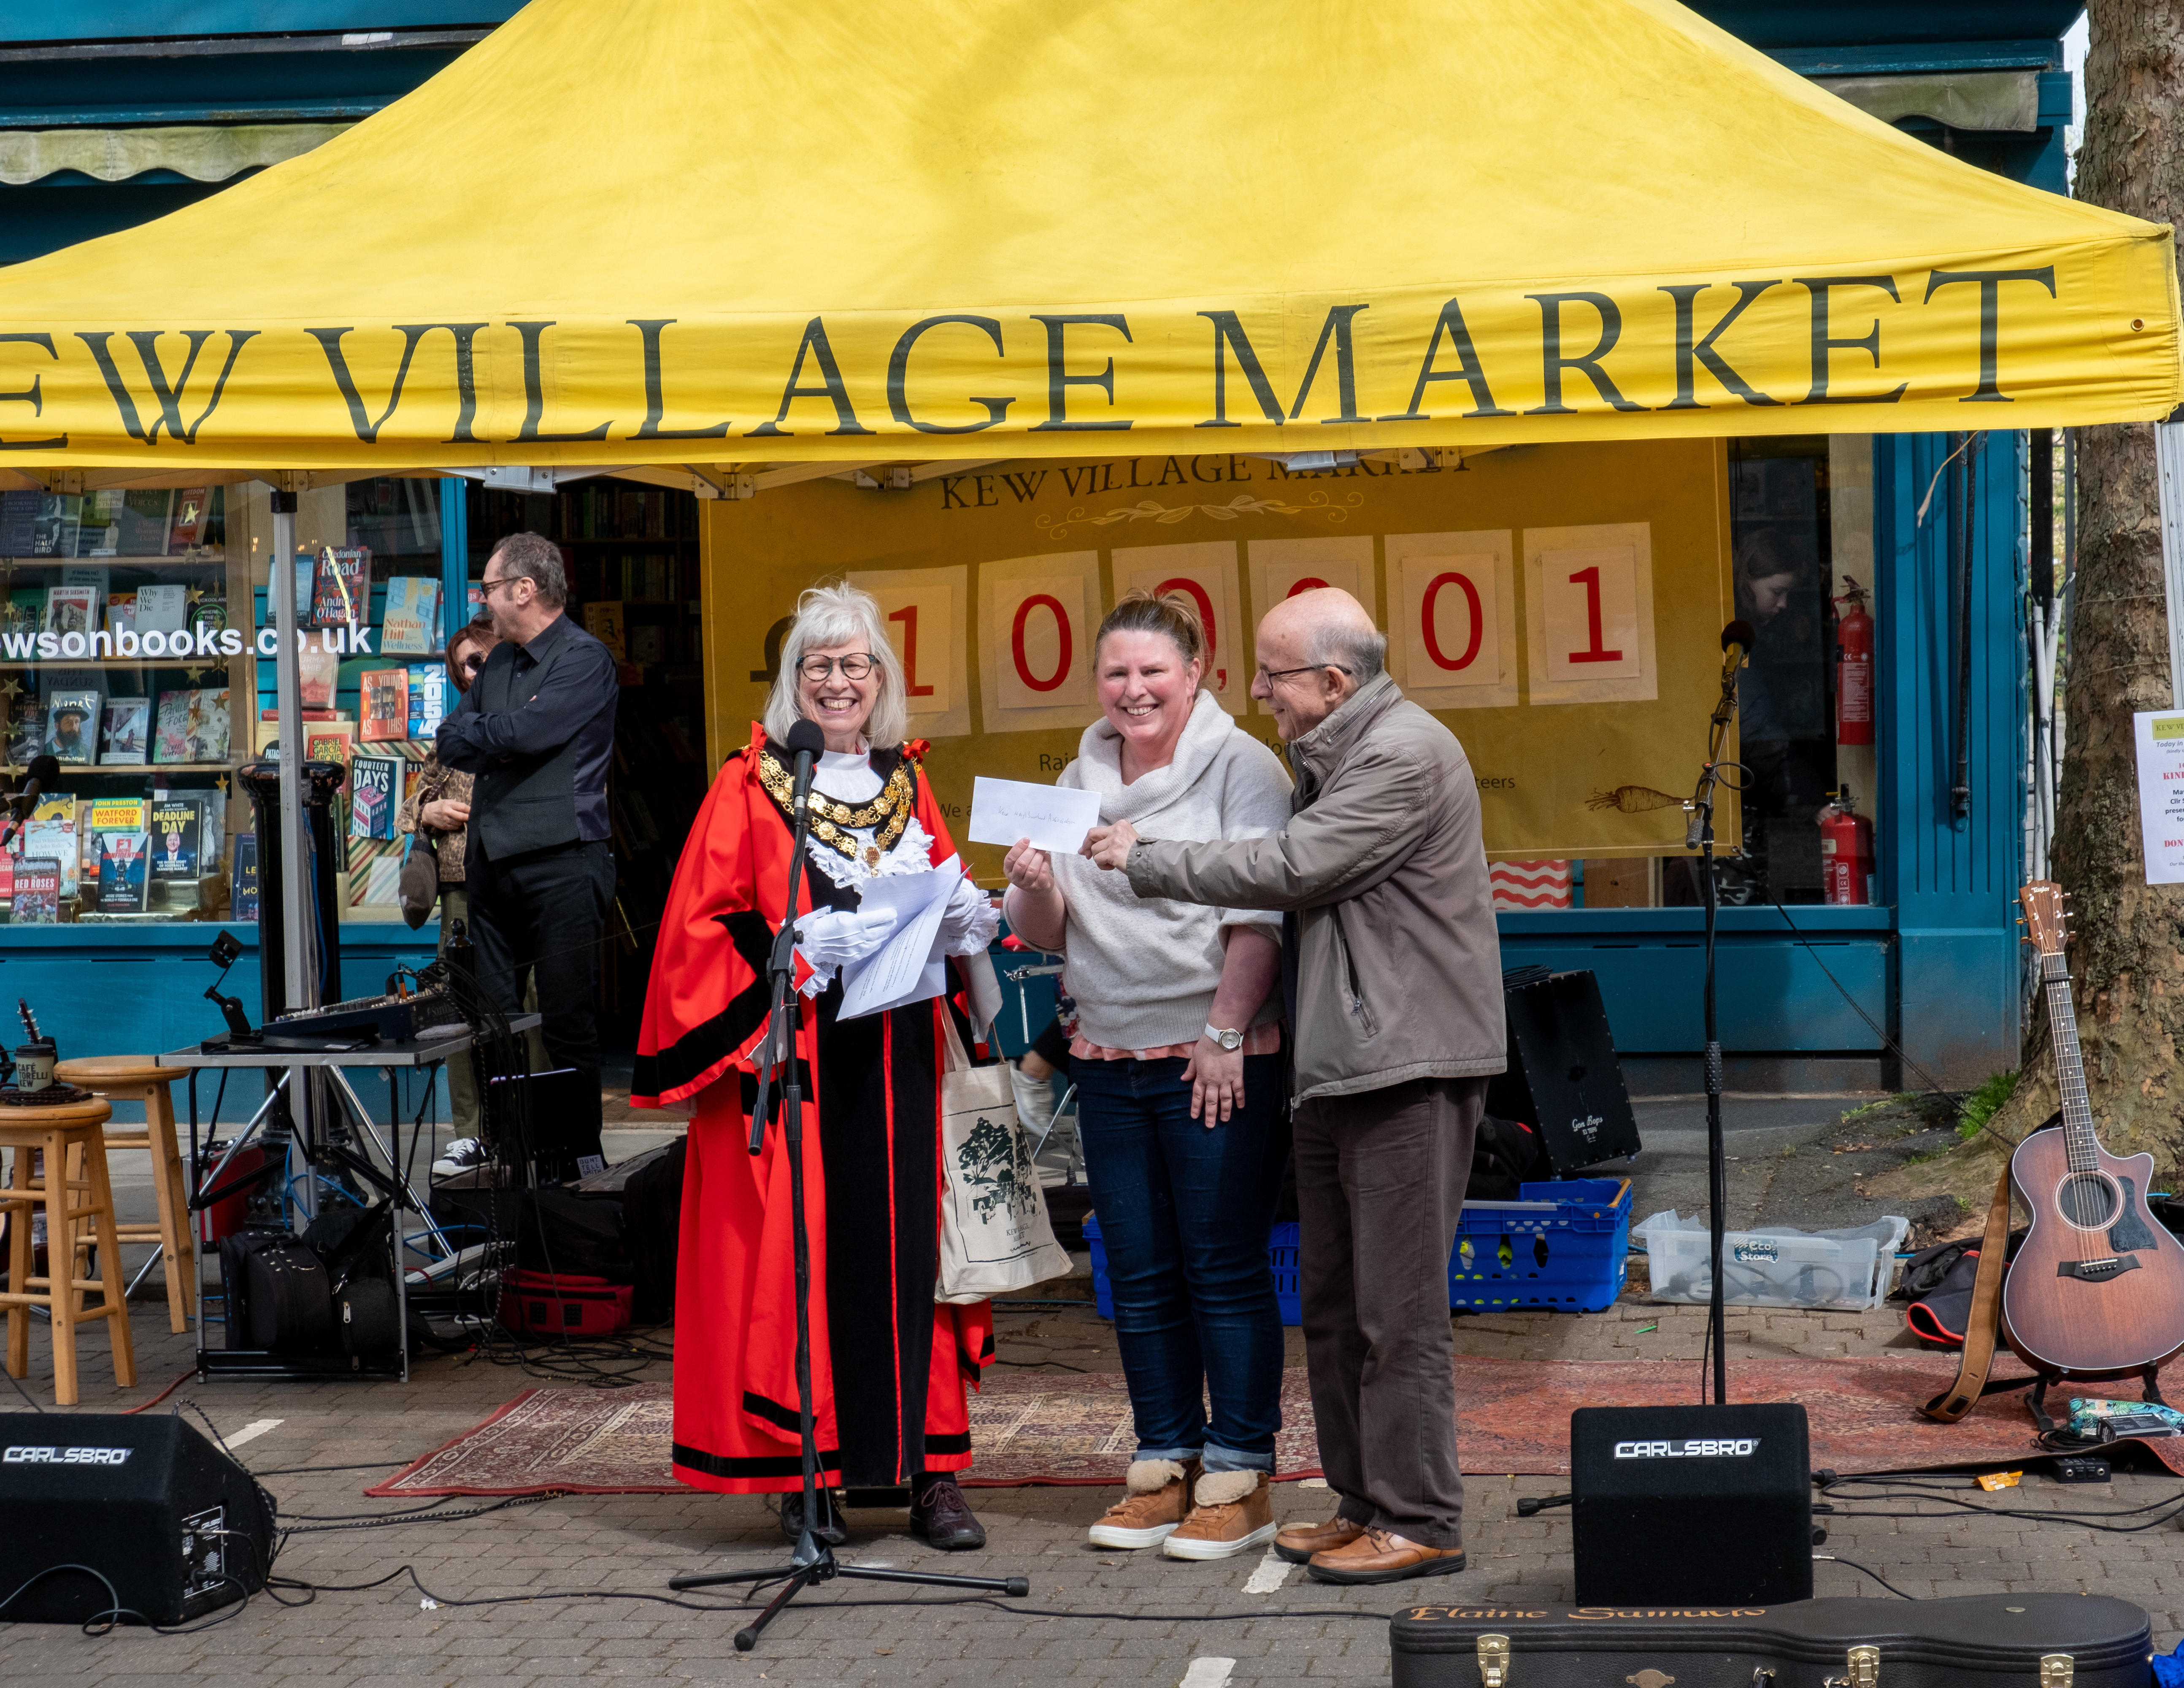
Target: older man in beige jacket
x: 1392, y: 967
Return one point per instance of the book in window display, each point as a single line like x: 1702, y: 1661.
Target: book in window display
x: 318, y: 673
x: 373, y: 797
x: 177, y: 829
x: 23, y: 611
x: 411, y: 617
x: 114, y: 833
x: 193, y: 727
x: 331, y: 740
x: 72, y: 727
x: 385, y: 693
x: 187, y: 524
x: 207, y: 612
x: 120, y: 613
x: 126, y: 735
x: 59, y: 521
x: 428, y: 700
x: 101, y: 523
x: 51, y: 830
x: 26, y: 731
x: 242, y: 882
x: 37, y: 891
x: 162, y: 608
x: 72, y: 609
x: 19, y: 524
x: 341, y: 587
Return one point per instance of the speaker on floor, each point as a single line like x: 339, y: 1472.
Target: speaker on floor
x: 176, y: 1526
x: 1684, y: 1506
x: 1564, y: 1075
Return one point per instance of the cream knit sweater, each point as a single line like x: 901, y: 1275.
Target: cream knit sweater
x: 1144, y: 971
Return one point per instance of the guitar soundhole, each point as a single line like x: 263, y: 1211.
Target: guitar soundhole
x: 2087, y: 1200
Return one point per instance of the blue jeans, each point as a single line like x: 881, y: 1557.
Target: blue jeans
x: 1183, y: 1215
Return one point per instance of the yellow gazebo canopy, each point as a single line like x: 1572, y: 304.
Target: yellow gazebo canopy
x: 728, y: 231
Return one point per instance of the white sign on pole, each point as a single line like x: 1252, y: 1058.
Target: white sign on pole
x: 2161, y: 794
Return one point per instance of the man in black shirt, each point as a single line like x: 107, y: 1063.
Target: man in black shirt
x: 536, y: 730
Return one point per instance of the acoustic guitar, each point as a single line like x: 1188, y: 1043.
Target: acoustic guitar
x: 2097, y: 1290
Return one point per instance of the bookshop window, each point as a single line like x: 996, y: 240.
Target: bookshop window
x: 118, y: 658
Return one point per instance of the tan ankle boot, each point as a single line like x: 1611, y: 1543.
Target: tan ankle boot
x: 1234, y: 1513
x: 1158, y: 1497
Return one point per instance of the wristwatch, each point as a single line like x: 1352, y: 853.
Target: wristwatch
x: 1230, y: 1039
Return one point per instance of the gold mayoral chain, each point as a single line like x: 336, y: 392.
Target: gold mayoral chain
x: 887, y: 813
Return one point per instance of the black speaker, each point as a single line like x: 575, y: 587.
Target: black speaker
x: 176, y: 1526
x: 1692, y: 1505
x: 1563, y: 1075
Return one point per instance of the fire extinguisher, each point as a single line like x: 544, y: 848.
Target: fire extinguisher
x: 1845, y: 849
x: 1854, y: 669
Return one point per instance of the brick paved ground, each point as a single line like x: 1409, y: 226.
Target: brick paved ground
x: 1298, y: 1631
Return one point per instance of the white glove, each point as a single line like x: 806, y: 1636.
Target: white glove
x: 827, y: 938
x: 971, y: 922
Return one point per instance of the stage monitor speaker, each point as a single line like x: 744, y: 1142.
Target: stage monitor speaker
x: 559, y: 1112
x: 176, y: 1526
x: 1563, y: 1075
x: 1692, y: 1505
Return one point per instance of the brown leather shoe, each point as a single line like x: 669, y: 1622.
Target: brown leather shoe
x: 1380, y: 1555
x: 1300, y: 1541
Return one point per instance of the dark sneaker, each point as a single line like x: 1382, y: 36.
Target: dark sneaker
x: 942, y: 1516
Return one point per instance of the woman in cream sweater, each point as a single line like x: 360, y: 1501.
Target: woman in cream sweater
x: 1176, y: 1059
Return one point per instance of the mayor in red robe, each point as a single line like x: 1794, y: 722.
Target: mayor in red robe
x: 889, y: 1365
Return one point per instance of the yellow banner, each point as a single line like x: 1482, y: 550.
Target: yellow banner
x: 1561, y: 608
x: 695, y: 234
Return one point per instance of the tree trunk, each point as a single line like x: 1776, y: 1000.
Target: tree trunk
x: 2127, y: 955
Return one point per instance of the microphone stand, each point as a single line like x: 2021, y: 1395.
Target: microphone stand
x: 812, y: 1561
x: 1699, y: 836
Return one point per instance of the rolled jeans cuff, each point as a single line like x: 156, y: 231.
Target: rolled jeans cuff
x: 1219, y: 1459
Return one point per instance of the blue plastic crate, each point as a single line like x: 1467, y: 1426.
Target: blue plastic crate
x: 1281, y: 1261
x: 1561, y: 1246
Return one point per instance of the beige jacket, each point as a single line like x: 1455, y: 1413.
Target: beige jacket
x: 1392, y: 959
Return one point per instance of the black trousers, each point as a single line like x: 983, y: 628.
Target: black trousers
x: 541, y: 915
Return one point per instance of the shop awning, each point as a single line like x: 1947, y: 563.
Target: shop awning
x: 723, y: 232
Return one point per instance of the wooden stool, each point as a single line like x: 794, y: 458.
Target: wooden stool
x: 134, y: 1078
x: 65, y: 1132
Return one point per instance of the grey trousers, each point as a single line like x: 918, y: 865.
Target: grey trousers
x: 1380, y: 1178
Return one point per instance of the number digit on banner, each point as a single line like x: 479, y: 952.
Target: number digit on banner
x: 1589, y: 578
x: 1432, y: 634
x: 1196, y: 593
x: 1064, y: 639
x: 908, y: 617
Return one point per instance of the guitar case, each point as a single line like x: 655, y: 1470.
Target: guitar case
x: 1979, y: 1641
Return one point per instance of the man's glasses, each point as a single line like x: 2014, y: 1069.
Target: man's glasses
x: 1271, y: 675
x: 857, y: 667
x: 486, y: 588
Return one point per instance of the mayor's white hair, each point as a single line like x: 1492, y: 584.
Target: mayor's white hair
x: 839, y: 615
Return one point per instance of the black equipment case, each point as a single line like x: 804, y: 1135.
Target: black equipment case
x: 1978, y: 1641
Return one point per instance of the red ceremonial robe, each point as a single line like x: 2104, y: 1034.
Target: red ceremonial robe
x: 889, y: 1364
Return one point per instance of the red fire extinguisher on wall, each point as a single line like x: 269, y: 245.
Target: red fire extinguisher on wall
x: 1854, y: 670
x: 1845, y: 849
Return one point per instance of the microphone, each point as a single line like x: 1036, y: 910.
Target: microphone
x: 42, y: 771
x: 1737, y: 639
x: 806, y: 742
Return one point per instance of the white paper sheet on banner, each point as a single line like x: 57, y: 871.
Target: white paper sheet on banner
x: 908, y: 967
x: 2161, y: 794
x: 1052, y: 817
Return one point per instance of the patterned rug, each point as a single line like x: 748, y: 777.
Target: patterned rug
x: 1512, y: 1416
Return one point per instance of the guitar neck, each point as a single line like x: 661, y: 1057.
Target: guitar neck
x: 2083, y: 1148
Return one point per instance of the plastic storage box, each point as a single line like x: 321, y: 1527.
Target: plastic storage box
x: 1849, y: 1270
x: 1561, y: 1245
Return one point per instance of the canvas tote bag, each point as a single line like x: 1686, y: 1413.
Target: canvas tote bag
x: 995, y: 1236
